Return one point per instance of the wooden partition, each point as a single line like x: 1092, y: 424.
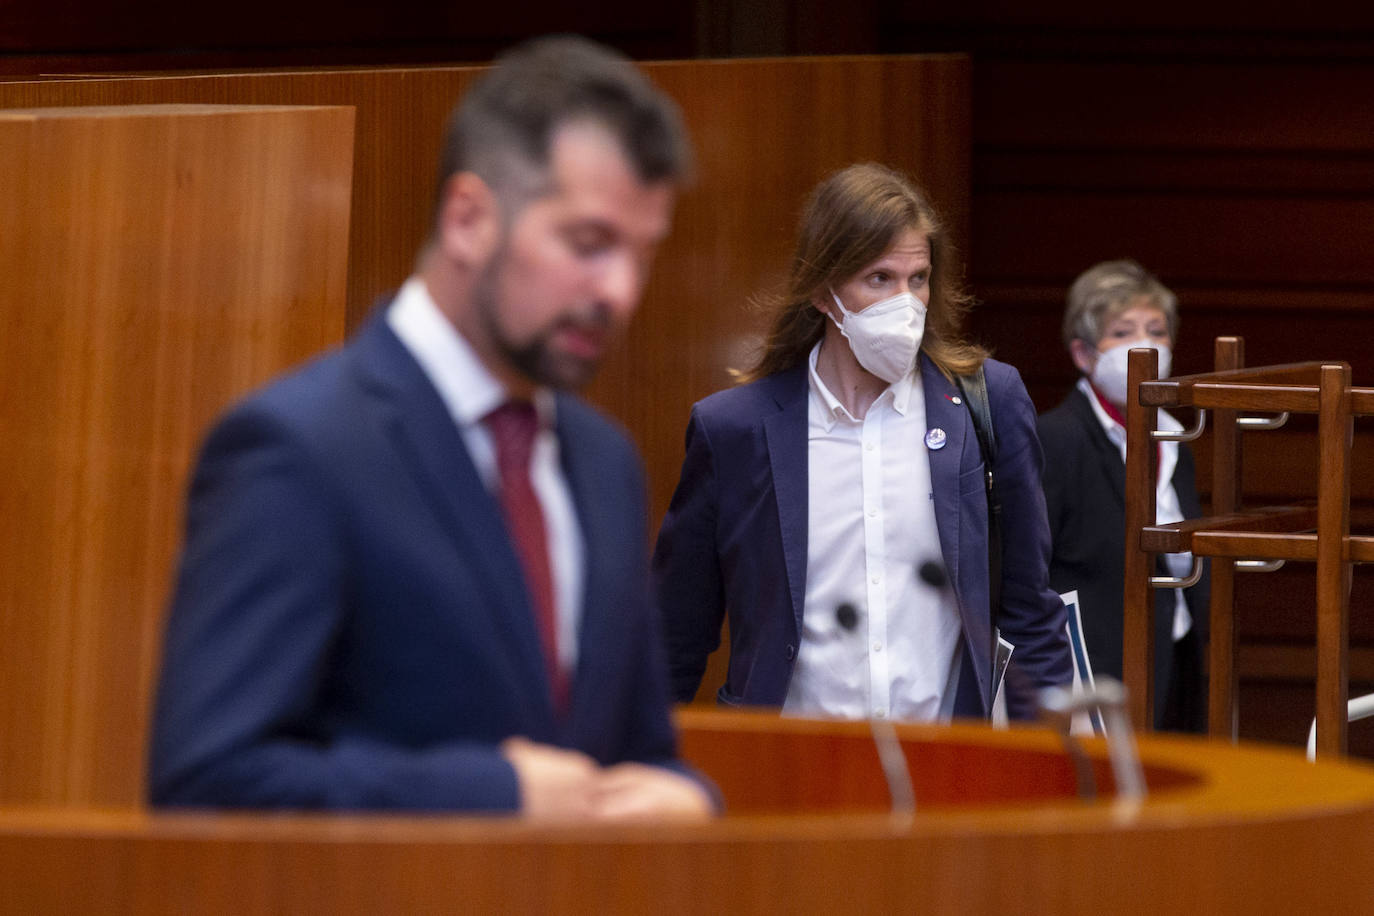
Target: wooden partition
x: 997, y: 830
x: 155, y: 262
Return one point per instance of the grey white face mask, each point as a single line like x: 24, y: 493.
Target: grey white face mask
x: 886, y: 336
x: 1109, y: 372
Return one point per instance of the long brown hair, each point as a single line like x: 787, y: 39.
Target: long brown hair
x: 851, y: 219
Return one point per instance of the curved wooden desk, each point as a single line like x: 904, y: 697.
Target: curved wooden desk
x: 1225, y: 829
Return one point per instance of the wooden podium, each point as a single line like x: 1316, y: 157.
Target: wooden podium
x: 997, y: 830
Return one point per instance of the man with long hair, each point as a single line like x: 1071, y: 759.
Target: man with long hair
x: 834, y: 505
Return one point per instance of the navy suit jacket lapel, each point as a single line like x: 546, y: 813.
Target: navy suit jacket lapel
x: 596, y: 630
x: 948, y: 461
x: 786, y: 436
x: 418, y: 423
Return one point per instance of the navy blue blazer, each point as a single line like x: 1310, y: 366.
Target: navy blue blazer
x: 351, y: 627
x: 734, y: 540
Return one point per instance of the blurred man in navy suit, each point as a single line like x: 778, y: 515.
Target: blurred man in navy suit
x: 414, y: 573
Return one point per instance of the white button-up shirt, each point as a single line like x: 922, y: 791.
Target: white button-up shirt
x: 871, y: 524
x: 1167, y: 508
x: 471, y: 392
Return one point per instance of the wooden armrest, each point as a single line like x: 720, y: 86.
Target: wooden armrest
x: 1178, y: 536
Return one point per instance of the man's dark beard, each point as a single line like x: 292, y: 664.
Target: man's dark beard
x: 538, y: 363
x: 535, y: 359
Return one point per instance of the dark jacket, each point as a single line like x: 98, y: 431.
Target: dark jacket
x: 351, y: 627
x: 1085, y: 494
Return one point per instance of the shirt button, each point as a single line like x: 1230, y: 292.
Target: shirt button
x: 880, y: 713
x: 870, y: 447
x: 876, y: 579
x: 872, y: 513
x: 877, y: 647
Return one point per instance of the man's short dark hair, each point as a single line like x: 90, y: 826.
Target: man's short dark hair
x: 503, y: 128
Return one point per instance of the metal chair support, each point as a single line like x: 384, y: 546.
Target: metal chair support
x: 1254, y: 424
x: 1357, y: 708
x: 1182, y: 435
x: 1259, y: 566
x: 1194, y: 576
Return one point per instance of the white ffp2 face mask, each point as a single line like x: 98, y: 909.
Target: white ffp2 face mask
x: 886, y: 336
x: 1109, y: 373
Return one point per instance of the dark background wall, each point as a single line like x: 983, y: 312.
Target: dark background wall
x: 1227, y: 145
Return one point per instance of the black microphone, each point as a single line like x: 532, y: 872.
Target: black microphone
x: 847, y: 617
x: 933, y: 573
x: 890, y: 754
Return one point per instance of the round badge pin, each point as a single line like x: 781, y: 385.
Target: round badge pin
x: 935, y: 438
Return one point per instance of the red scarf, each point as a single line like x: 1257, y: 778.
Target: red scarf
x: 1115, y: 413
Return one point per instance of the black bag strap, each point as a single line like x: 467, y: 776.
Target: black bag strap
x: 975, y: 390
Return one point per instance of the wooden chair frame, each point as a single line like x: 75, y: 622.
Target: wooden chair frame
x: 1257, y: 539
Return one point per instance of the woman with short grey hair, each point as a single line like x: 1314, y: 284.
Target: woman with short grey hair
x: 1113, y: 307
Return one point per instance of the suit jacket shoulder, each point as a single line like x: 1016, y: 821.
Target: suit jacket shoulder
x: 745, y: 405
x: 349, y: 628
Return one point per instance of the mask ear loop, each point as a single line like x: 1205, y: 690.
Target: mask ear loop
x: 843, y: 311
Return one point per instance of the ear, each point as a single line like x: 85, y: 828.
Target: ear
x: 469, y: 223
x: 821, y: 302
x: 1084, y: 356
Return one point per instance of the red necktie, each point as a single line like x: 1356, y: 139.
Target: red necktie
x: 513, y: 426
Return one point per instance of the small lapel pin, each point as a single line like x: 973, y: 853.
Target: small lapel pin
x: 935, y: 438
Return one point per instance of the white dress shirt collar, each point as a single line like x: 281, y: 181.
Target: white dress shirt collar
x: 899, y: 392
x: 1168, y: 453
x: 467, y: 388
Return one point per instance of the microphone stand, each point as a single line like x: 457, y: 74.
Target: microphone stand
x: 891, y: 757
x: 893, y: 760
x: 1058, y: 705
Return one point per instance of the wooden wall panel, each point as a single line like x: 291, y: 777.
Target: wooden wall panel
x: 733, y: 235
x: 155, y: 263
x: 1230, y: 148
x: 1226, y: 144
x: 734, y: 229
x: 1274, y: 242
x: 38, y: 37
x: 400, y: 117
x: 1247, y: 185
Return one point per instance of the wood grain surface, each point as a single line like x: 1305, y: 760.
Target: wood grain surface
x: 765, y: 132
x: 155, y: 262
x: 1246, y: 829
